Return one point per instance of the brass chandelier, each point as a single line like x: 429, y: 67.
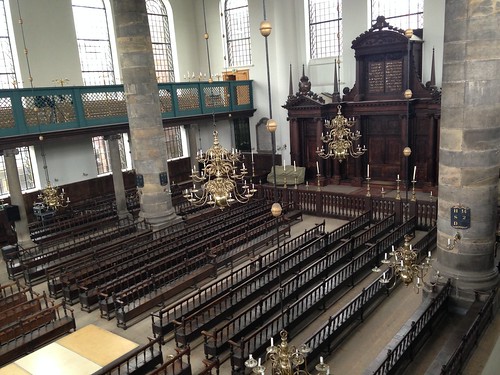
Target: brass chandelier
x: 286, y: 360
x: 340, y: 139
x: 52, y: 198
x: 403, y: 263
x: 217, y: 183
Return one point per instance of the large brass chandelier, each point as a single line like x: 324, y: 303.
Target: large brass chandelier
x: 340, y: 139
x: 222, y: 178
x: 286, y: 360
x: 403, y: 263
x: 52, y: 198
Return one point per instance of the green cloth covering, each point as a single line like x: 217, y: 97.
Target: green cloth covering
x: 289, y: 173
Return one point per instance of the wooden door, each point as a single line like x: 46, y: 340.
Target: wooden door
x: 384, y: 147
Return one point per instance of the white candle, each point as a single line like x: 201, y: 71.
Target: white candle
x: 243, y: 164
x: 320, y: 359
x: 398, y: 178
x: 368, y: 170
x: 284, y: 164
x: 259, y: 362
x: 414, y: 172
x: 317, y: 167
x: 272, y: 341
x: 429, y: 254
x: 385, y: 256
x: 294, y: 167
x: 449, y: 242
x: 252, y: 157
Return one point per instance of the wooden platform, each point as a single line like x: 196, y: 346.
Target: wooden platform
x: 81, y: 352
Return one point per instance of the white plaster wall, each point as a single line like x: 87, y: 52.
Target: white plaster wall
x: 67, y: 162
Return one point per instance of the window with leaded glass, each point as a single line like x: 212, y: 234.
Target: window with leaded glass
x: 404, y: 14
x: 94, y: 46
x: 101, y: 153
x: 173, y: 140
x: 160, y: 39
x: 325, y: 34
x: 237, y: 23
x: 8, y: 77
x: 25, y: 170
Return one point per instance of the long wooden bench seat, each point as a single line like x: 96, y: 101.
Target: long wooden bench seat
x: 138, y: 361
x: 55, y: 322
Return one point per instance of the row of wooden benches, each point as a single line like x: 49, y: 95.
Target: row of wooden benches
x: 297, y: 260
x: 316, y: 273
x: 306, y: 305
x: 65, y: 277
x: 33, y: 262
x: 28, y: 321
x: 128, y: 308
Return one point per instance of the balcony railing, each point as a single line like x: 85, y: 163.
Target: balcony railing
x: 39, y: 110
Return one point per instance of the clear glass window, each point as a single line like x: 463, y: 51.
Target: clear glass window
x: 237, y: 23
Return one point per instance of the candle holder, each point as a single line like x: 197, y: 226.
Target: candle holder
x: 307, y: 185
x: 398, y: 191
x: 382, y: 192
x: 368, y: 194
x: 284, y: 182
x: 318, y: 181
x: 413, y: 194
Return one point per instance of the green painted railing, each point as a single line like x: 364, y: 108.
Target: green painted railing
x: 39, y: 110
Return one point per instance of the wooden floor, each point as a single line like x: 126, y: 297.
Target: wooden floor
x: 351, y: 358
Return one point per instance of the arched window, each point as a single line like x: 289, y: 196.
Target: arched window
x: 160, y: 38
x: 237, y: 23
x: 403, y: 14
x: 8, y: 77
x: 94, y: 46
x: 325, y: 22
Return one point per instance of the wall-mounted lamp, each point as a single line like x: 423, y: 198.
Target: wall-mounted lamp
x: 451, y: 245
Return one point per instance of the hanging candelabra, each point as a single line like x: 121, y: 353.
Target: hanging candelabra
x: 286, y: 360
x: 403, y: 263
x: 340, y: 139
x: 221, y: 180
x: 52, y: 198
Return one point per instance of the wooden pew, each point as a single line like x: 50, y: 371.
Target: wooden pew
x: 140, y: 360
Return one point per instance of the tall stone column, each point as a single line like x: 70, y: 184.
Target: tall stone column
x: 135, y: 55
x: 16, y: 198
x: 469, y: 158
x: 116, y: 167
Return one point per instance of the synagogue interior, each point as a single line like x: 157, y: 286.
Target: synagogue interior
x: 282, y: 187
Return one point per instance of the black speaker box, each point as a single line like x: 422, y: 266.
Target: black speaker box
x: 12, y: 213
